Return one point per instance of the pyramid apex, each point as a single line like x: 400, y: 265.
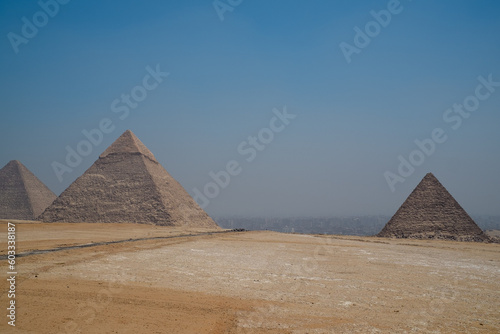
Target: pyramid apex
x: 429, y: 177
x: 128, y: 143
x: 15, y: 162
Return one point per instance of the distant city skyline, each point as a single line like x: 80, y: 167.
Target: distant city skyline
x: 275, y: 109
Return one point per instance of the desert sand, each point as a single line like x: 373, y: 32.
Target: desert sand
x: 157, y: 279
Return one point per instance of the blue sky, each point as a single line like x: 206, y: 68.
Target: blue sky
x: 353, y: 120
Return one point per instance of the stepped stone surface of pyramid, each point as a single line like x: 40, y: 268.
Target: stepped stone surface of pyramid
x: 127, y: 184
x: 430, y: 212
x: 22, y: 194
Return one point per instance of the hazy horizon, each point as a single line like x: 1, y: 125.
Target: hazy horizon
x: 306, y: 105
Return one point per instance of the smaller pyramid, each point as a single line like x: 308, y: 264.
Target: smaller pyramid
x: 22, y: 194
x: 430, y: 212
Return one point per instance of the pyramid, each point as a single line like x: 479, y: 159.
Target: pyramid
x: 430, y: 212
x: 127, y: 184
x: 22, y: 194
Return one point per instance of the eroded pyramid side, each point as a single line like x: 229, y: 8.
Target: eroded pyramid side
x: 176, y: 199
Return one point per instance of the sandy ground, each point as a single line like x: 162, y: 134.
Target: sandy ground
x: 247, y: 282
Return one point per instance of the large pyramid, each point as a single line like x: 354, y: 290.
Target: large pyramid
x: 430, y: 212
x: 127, y: 184
x: 22, y: 194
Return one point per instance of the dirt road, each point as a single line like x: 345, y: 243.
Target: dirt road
x: 251, y: 282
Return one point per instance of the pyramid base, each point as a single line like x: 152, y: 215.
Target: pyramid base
x: 437, y: 236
